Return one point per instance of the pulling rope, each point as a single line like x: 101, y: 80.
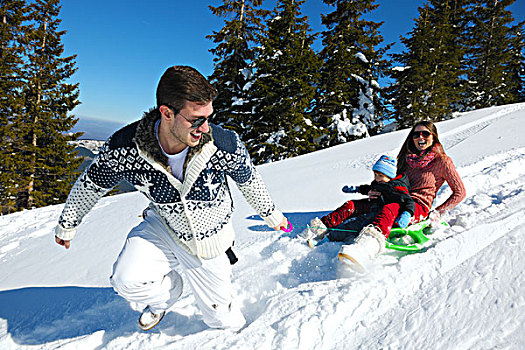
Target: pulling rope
x: 335, y: 229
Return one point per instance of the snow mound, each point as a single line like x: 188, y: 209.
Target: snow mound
x: 466, y: 290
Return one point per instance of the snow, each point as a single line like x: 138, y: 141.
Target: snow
x: 361, y: 57
x: 239, y: 101
x: 400, y: 69
x: 346, y: 126
x: 465, y: 291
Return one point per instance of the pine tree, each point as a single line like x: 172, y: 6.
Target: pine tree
x: 428, y: 81
x: 287, y: 73
x: 12, y: 29
x: 348, y: 96
x: 49, y: 164
x: 492, y: 57
x: 515, y: 70
x: 234, y: 56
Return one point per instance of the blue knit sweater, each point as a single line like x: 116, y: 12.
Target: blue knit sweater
x: 197, y: 210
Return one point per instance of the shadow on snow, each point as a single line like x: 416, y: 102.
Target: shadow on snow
x: 39, y: 315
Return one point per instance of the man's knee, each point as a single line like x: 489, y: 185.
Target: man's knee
x: 125, y: 288
x: 140, y: 260
x: 127, y: 278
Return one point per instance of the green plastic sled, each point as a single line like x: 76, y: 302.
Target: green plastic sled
x: 415, y: 234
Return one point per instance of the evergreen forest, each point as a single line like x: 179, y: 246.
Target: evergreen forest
x: 285, y: 99
x: 280, y: 94
x: 37, y: 159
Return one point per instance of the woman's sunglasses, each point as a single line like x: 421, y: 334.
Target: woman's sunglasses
x: 418, y: 134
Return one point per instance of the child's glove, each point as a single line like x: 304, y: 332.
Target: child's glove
x: 351, y: 189
x: 404, y: 219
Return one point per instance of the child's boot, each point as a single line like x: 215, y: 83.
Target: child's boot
x: 367, y: 246
x: 316, y: 229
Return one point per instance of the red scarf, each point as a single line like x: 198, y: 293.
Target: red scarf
x: 421, y: 161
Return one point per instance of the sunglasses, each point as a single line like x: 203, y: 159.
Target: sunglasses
x: 195, y: 123
x: 418, y: 134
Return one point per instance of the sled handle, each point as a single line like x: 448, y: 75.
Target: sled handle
x: 288, y: 228
x: 417, y: 235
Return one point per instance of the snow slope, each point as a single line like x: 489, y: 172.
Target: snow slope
x: 465, y: 291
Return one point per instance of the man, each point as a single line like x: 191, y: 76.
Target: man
x: 180, y: 162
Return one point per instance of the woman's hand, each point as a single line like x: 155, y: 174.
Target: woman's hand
x: 373, y: 195
x: 435, y: 217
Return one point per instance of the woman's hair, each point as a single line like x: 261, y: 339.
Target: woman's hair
x: 179, y: 84
x: 409, y: 147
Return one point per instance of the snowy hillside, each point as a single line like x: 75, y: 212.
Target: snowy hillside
x: 466, y: 291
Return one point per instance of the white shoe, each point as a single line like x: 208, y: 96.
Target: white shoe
x: 148, y: 319
x: 314, y: 230
x: 367, y: 246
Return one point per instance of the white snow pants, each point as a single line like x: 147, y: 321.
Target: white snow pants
x: 144, y: 275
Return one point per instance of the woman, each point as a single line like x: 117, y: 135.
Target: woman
x: 423, y: 160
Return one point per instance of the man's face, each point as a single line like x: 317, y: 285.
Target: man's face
x: 181, y: 130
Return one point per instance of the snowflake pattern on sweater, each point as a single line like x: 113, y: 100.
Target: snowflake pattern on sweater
x: 195, y: 210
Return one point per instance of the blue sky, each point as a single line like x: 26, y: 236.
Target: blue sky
x: 124, y: 46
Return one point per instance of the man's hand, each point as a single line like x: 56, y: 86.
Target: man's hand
x: 66, y: 244
x: 283, y: 224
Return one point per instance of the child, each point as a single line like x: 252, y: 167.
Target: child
x: 386, y: 188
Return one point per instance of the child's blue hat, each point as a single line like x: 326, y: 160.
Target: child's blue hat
x: 386, y: 165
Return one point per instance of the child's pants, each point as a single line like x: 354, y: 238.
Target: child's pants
x: 144, y: 274
x: 384, y: 220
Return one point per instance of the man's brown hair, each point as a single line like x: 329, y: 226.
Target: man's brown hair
x: 179, y: 84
